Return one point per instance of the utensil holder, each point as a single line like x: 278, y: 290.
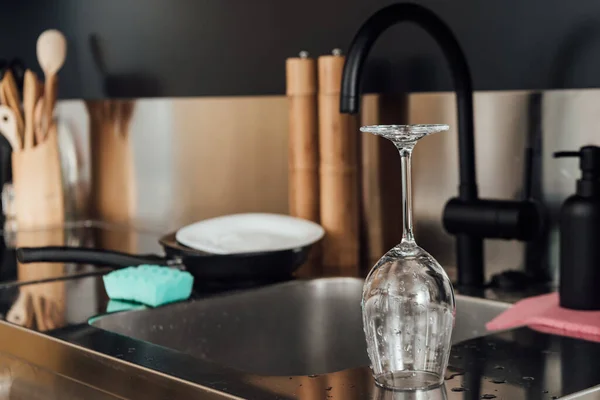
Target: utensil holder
x: 37, y: 184
x: 39, y: 205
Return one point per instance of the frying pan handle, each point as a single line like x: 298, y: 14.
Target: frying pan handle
x: 66, y: 254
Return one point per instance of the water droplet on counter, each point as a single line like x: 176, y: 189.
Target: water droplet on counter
x: 458, y: 389
x: 488, y: 396
x: 454, y: 375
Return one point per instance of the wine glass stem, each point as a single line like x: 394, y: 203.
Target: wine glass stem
x: 405, y: 158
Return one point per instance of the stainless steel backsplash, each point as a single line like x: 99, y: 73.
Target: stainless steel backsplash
x: 196, y: 158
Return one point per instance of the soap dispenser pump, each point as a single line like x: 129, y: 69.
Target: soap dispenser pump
x: 579, y: 229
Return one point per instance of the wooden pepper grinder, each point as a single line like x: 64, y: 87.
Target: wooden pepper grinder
x: 301, y: 73
x: 303, y: 166
x: 339, y: 174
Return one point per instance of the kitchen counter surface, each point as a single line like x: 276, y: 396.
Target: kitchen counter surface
x: 519, y: 364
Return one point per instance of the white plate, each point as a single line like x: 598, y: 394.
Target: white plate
x: 249, y: 233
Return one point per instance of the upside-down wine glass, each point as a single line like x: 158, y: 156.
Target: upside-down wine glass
x: 408, y: 301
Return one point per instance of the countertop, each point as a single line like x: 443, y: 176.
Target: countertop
x: 519, y: 364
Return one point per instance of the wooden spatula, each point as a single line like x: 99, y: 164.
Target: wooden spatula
x: 30, y: 98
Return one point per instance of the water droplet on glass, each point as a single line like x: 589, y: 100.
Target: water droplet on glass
x: 313, y: 376
x: 328, y: 388
x: 458, y: 389
x: 498, y: 367
x: 488, y: 396
x: 431, y: 320
x: 413, y: 374
x: 498, y: 381
x: 528, y: 378
x: 380, y: 331
x: 397, y: 331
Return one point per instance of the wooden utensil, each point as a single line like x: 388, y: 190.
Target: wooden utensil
x: 51, y: 54
x: 8, y: 127
x: 339, y: 174
x: 38, y: 115
x: 3, y: 99
x: 30, y: 98
x: 13, y: 99
x: 21, y: 312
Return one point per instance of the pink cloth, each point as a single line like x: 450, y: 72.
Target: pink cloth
x: 542, y: 313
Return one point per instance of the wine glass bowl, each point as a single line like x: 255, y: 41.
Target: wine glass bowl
x: 408, y: 301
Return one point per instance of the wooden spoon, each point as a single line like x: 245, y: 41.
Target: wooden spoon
x: 51, y: 54
x: 30, y: 98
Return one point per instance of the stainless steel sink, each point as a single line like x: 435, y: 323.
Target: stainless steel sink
x: 295, y: 328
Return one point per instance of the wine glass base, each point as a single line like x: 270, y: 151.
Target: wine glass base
x: 408, y: 380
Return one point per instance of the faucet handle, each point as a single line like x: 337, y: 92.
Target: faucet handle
x: 559, y: 154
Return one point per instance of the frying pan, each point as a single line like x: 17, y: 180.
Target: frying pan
x: 203, y: 266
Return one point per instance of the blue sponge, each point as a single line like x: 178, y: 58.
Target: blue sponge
x: 152, y: 285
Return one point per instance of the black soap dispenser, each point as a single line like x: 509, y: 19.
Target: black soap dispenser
x: 579, y: 228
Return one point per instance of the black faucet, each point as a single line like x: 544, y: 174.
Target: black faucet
x: 469, y: 218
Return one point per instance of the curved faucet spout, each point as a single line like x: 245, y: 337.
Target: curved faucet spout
x: 430, y: 22
x: 469, y: 247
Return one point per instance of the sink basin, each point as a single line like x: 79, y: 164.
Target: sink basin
x: 301, y: 327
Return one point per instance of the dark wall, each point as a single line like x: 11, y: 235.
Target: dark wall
x: 238, y: 47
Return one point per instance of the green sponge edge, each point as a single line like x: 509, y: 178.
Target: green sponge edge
x: 152, y: 285
x: 115, y: 306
